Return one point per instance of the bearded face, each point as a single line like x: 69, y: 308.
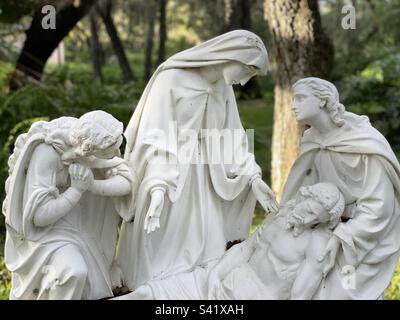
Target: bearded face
x: 304, y: 212
x: 294, y: 222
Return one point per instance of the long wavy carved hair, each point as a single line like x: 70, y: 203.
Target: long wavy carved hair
x: 326, y: 91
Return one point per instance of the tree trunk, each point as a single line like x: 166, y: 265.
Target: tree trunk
x: 40, y: 43
x: 237, y: 14
x: 162, y: 30
x: 95, y: 47
x: 151, y: 17
x: 301, y: 50
x: 106, y: 15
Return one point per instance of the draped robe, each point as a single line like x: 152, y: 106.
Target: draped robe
x: 75, y: 254
x: 360, y: 162
x: 206, y: 204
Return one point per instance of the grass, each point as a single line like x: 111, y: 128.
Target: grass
x: 258, y: 115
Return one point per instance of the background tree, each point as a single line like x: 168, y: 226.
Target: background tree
x: 40, y: 43
x: 300, y: 49
x: 162, y: 30
x: 238, y: 15
x: 105, y: 11
x: 95, y: 46
x: 151, y: 17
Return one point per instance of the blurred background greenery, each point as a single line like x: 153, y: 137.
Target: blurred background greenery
x: 108, y: 55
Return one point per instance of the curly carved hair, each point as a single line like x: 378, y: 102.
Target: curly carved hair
x: 329, y: 197
x: 98, y: 128
x: 326, y: 91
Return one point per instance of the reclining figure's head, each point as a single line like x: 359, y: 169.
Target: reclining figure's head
x: 321, y: 203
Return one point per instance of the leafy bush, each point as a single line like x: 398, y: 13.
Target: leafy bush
x: 5, y: 71
x: 5, y: 281
x: 376, y: 92
x: 393, y: 290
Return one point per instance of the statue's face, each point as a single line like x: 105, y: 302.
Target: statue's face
x: 235, y: 73
x: 309, y: 212
x: 305, y: 105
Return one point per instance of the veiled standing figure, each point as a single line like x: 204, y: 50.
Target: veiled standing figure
x: 186, y: 211
x: 343, y: 148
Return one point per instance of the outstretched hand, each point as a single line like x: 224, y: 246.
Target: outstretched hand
x: 264, y: 196
x: 152, y: 220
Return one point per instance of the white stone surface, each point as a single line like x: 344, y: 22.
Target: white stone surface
x: 188, y: 185
x: 344, y: 149
x: 279, y: 261
x: 188, y: 208
x: 65, y: 189
x: 323, y: 244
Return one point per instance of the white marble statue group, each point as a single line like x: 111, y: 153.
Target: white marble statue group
x: 187, y: 185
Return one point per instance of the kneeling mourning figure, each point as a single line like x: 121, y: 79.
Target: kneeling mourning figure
x: 335, y: 235
x: 61, y: 216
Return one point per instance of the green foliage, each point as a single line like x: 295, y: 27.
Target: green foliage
x: 5, y: 71
x: 377, y: 33
x: 13, y: 10
x: 258, y: 115
x: 393, y: 290
x: 5, y: 281
x: 375, y: 92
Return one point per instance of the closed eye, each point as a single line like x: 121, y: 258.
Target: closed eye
x: 300, y: 97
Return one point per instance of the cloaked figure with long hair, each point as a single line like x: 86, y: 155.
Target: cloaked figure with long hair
x: 343, y: 148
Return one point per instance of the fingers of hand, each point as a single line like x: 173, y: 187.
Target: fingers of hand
x: 73, y: 170
x: 79, y: 172
x: 152, y: 225
x: 82, y: 171
x: 88, y: 175
x: 264, y: 205
x: 85, y: 173
x: 273, y: 206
